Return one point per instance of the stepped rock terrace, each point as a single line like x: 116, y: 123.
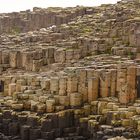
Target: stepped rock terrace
x: 71, y: 73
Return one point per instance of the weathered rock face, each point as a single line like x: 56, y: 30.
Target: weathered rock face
x: 38, y: 18
x: 70, y: 73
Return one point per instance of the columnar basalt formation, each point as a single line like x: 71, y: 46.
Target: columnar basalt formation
x: 38, y: 18
x: 71, y: 73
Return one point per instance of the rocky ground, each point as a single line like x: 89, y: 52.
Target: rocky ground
x: 71, y: 73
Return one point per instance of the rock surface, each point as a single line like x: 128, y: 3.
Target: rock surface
x: 71, y: 73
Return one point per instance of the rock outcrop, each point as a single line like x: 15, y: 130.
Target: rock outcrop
x: 71, y: 73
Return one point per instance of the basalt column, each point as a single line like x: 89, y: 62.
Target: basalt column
x: 15, y: 59
x: 93, y: 84
x: 72, y: 84
x: 122, y: 85
x: 131, y: 82
x: 27, y: 60
x: 105, y: 78
x: 82, y: 84
x: 113, y: 82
